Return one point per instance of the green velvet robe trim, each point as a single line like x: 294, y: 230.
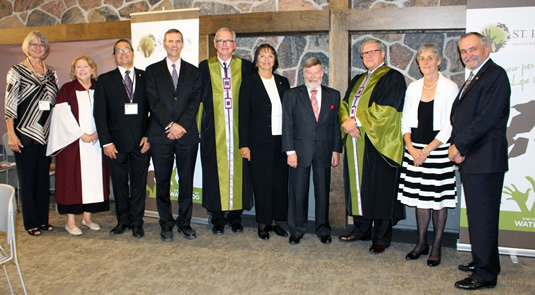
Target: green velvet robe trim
x: 388, y: 141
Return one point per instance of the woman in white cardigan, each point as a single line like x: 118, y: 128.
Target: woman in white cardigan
x: 427, y: 175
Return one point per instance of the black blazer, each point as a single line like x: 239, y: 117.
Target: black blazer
x: 300, y: 132
x: 166, y: 104
x: 113, y: 126
x: 479, y: 121
x: 255, y: 109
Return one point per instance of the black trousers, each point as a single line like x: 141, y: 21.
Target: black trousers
x: 129, y: 178
x: 379, y: 230
x: 232, y: 217
x: 32, y: 170
x: 483, y: 193
x: 269, y: 174
x: 299, y: 181
x: 163, y: 158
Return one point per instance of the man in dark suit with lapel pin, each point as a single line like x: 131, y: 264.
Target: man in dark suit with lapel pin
x: 479, y: 145
x: 173, y: 88
x: 121, y: 117
x: 311, y: 139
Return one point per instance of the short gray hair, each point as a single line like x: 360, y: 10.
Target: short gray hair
x: 429, y: 46
x: 482, y: 38
x: 380, y: 44
x: 225, y: 29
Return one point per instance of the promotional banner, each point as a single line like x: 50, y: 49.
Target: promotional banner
x: 148, y: 31
x: 510, y: 32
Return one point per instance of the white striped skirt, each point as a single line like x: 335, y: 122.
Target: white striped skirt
x: 430, y: 185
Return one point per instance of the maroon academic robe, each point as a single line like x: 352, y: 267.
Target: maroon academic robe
x: 68, y: 173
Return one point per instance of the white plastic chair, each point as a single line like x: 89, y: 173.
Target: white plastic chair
x: 7, y: 225
x: 7, y: 166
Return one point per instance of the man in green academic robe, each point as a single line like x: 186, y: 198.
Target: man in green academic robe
x: 227, y: 190
x: 370, y: 115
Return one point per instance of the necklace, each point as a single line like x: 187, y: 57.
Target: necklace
x: 428, y: 88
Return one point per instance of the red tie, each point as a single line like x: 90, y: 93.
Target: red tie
x: 314, y: 102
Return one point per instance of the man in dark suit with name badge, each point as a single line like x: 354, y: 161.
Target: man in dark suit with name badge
x: 121, y: 117
x: 479, y: 145
x: 173, y: 87
x: 311, y: 139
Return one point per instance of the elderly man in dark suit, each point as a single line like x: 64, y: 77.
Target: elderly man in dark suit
x: 479, y: 145
x: 121, y: 117
x: 311, y: 139
x: 173, y: 87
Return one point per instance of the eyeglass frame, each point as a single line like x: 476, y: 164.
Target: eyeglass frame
x: 224, y: 41
x: 370, y: 52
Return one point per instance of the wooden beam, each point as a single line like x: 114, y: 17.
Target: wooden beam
x: 338, y: 79
x: 74, y: 32
x: 272, y: 23
x: 407, y: 19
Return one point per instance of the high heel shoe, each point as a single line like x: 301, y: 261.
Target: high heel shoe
x: 433, y: 263
x: 414, y: 255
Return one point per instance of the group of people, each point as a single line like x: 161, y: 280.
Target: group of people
x: 261, y: 139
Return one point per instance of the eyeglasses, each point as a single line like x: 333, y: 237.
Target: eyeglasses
x: 224, y: 41
x: 37, y: 45
x: 123, y: 50
x: 370, y: 53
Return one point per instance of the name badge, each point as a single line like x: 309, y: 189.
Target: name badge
x: 353, y: 111
x: 44, y: 105
x: 130, y: 108
x: 226, y: 83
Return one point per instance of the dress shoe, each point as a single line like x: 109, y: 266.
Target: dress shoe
x: 218, y: 229
x: 76, y: 231
x: 415, y: 255
x: 472, y: 284
x: 166, y: 233
x: 294, y: 240
x: 279, y: 231
x: 326, y: 239
x: 137, y: 231
x: 467, y: 267
x: 118, y: 229
x: 377, y: 249
x: 263, y: 233
x: 188, y: 232
x: 348, y: 238
x: 237, y: 228
x: 91, y: 226
x: 433, y: 263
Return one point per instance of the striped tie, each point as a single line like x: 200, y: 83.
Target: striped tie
x: 314, y: 102
x: 174, y: 75
x: 128, y: 85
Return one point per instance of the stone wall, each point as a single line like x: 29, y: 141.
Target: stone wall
x: 20, y: 13
x: 292, y: 49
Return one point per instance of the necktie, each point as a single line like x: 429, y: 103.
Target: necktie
x: 174, y: 76
x: 468, y: 81
x: 314, y: 102
x: 128, y: 85
x: 225, y: 68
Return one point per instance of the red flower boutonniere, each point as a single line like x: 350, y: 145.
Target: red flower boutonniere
x: 332, y: 107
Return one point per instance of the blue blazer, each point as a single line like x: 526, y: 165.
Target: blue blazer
x: 479, y: 119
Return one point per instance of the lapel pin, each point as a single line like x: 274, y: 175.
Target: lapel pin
x: 332, y: 107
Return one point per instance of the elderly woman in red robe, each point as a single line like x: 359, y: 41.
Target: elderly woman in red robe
x: 82, y: 182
